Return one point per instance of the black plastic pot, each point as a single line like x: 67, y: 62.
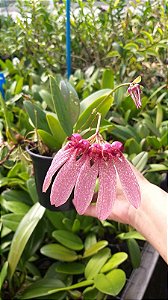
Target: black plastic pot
x: 41, y: 164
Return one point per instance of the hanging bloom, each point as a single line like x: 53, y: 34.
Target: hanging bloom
x: 135, y: 92
x: 80, y: 163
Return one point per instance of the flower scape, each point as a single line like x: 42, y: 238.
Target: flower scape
x: 80, y: 163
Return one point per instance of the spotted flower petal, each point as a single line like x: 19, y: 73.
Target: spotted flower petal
x: 59, y: 159
x: 65, y: 180
x: 107, y: 189
x: 128, y: 181
x: 85, y: 185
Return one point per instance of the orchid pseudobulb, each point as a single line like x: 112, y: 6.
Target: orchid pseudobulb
x: 80, y: 163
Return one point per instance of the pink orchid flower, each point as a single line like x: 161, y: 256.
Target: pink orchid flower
x: 79, y: 163
x: 135, y: 92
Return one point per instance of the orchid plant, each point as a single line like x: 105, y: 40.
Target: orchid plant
x: 82, y: 162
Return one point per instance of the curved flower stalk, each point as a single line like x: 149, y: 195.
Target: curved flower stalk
x: 80, y: 163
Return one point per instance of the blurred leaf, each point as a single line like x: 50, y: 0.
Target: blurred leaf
x: 108, y: 79
x: 159, y: 115
x: 140, y: 160
x: 59, y: 252
x: 46, y: 96
x: 95, y: 264
x: 19, y: 85
x: 157, y: 168
x: 114, y: 261
x: 70, y: 268
x: 68, y: 239
x: 134, y: 252
x: 132, y: 146
x: 112, y: 283
x: 97, y: 102
x: 95, y: 248
x: 37, y: 116
x: 22, y: 235
x: 56, y: 218
x: 31, y: 185
x: 3, y: 274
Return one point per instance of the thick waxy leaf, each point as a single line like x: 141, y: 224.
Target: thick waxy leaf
x: 48, y: 140
x: 46, y: 96
x: 95, y: 248
x: 59, y: 252
x: 56, y: 128
x: 140, y: 160
x: 68, y: 239
x: 22, y: 235
x: 12, y: 220
x: 70, y: 268
x: 66, y: 104
x: 37, y: 116
x: 130, y: 235
x: 112, y: 283
x: 95, y: 264
x: 134, y: 252
x: 97, y: 102
x: 15, y: 206
x: 42, y: 287
x: 37, y: 290
x: 114, y: 261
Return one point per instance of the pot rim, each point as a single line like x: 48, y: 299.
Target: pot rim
x: 30, y: 151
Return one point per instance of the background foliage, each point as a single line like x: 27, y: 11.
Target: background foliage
x: 111, y: 44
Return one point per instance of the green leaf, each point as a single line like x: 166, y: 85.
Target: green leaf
x: 56, y: 128
x: 112, y: 283
x: 70, y: 268
x: 140, y: 160
x: 22, y: 235
x: 68, y: 239
x: 19, y: 85
x: 3, y: 274
x: 59, y: 252
x: 95, y: 248
x: 95, y: 264
x: 114, y: 261
x: 134, y: 252
x: 157, y: 168
x: 46, y: 96
x: 37, y: 116
x: 12, y: 221
x: 130, y: 235
x: 36, y: 289
x: 159, y: 115
x: 56, y: 218
x: 97, y: 102
x: 66, y: 104
x: 48, y: 140
x: 43, y: 287
x: 15, y: 207
x: 108, y: 79
x: 132, y: 146
x: 90, y: 240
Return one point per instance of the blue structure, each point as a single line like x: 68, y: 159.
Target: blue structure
x: 2, y: 82
x: 68, y: 38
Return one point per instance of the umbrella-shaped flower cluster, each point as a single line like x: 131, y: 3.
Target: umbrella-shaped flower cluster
x: 80, y: 163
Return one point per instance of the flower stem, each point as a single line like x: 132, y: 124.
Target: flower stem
x: 98, y: 123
